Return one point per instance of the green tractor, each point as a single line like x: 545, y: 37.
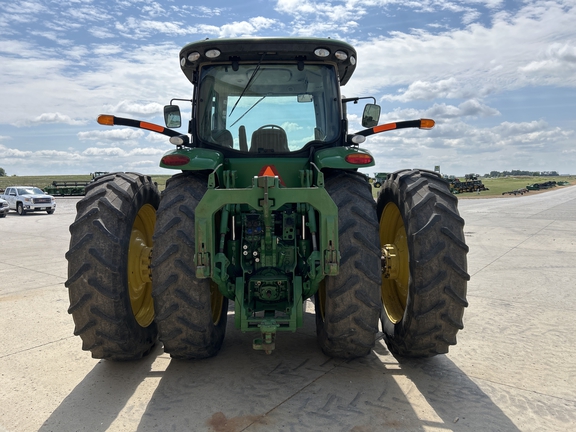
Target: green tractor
x: 379, y: 179
x: 269, y: 210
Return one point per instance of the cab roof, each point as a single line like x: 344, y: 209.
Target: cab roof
x: 268, y: 50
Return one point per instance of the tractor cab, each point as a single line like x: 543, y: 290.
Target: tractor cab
x: 280, y: 96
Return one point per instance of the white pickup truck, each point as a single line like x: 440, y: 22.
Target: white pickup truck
x: 25, y: 199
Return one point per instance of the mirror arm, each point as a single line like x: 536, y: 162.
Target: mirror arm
x: 177, y: 99
x: 109, y: 120
x: 421, y: 124
x: 356, y: 99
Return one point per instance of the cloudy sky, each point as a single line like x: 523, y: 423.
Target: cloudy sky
x: 498, y: 76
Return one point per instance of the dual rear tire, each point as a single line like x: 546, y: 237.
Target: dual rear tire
x: 403, y: 259
x: 191, y: 312
x: 116, y: 313
x: 424, y: 292
x: 108, y: 276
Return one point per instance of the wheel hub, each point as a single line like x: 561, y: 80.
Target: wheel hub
x: 141, y: 274
x: 390, y: 262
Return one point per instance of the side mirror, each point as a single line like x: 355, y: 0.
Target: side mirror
x: 371, y: 115
x: 172, y: 116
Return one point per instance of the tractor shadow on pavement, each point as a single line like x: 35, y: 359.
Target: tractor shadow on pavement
x: 295, y: 388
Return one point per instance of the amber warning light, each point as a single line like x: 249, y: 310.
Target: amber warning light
x: 106, y: 120
x: 427, y: 123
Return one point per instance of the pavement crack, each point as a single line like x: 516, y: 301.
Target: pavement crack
x: 511, y: 249
x: 35, y: 347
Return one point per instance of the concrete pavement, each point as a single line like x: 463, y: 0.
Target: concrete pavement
x: 514, y: 367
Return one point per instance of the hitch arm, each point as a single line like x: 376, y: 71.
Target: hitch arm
x: 110, y: 120
x: 421, y: 124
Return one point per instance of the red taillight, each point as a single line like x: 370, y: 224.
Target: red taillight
x: 175, y: 160
x: 358, y: 158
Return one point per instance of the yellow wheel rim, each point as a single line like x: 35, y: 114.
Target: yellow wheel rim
x: 139, y: 278
x: 395, y: 287
x: 216, y: 300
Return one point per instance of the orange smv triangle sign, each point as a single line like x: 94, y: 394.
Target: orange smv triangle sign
x: 270, y: 171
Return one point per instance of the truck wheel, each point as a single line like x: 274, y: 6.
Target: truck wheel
x: 424, y: 269
x: 20, y: 209
x: 191, y: 312
x: 108, y: 267
x: 348, y: 305
x: 51, y: 211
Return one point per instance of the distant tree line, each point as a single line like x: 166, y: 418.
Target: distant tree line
x: 521, y: 173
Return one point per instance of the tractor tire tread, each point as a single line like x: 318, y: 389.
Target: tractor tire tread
x: 437, y: 292
x: 97, y: 268
x: 182, y: 301
x: 352, y: 303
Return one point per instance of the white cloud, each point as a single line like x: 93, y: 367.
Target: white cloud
x: 557, y: 60
x: 14, y: 156
x: 134, y: 108
x: 456, y: 146
x: 157, y: 138
x: 153, y: 9
x: 107, y: 152
x: 107, y: 49
x: 311, y: 18
x: 87, y: 13
x: 515, y: 52
x: 469, y: 108
x: 291, y: 126
x: 197, y: 11
x: 118, y: 152
x: 423, y: 90
x: 146, y: 151
x: 101, y: 33
x: 23, y: 7
x: 246, y: 28
x: 137, y: 28
x: 124, y: 134
x: 47, y: 118
x: 439, y: 112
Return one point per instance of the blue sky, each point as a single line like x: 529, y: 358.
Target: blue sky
x: 499, y: 77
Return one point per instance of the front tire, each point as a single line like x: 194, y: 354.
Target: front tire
x: 424, y: 289
x: 20, y: 209
x: 348, y: 305
x: 108, y: 267
x: 191, y: 312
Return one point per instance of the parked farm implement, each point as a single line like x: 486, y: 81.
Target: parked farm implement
x: 71, y: 187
